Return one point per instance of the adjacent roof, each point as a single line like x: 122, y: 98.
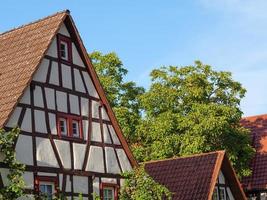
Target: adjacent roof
x: 258, y: 127
x: 194, y: 177
x: 22, y: 50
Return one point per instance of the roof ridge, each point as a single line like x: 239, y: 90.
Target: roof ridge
x: 35, y: 21
x: 219, y: 152
x: 254, y: 116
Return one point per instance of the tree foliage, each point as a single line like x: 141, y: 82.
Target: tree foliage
x: 122, y: 95
x: 190, y: 110
x: 139, y: 185
x: 15, y: 187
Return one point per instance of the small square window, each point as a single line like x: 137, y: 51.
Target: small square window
x: 63, y: 126
x: 75, y: 129
x: 47, y: 189
x: 108, y: 193
x: 64, y: 50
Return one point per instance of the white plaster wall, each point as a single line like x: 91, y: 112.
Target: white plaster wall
x: 78, y: 154
x: 229, y: 192
x: 68, y: 184
x: 63, y: 148
x: 26, y: 98
x: 104, y: 114
x: 109, y: 180
x: 107, y: 138
x: 85, y: 129
x: 4, y: 172
x: 54, y: 78
x: 13, y: 120
x: 66, y: 76
x: 44, y: 153
x: 95, y: 160
x: 63, y: 30
x: 111, y: 161
x: 221, y: 178
x: 95, y: 109
x: 52, y: 123
x: 38, y: 97
x: 84, y: 107
x: 41, y: 74
x: 27, y: 197
x: 61, y: 101
x: 80, y: 184
x: 96, y: 132
x: 50, y: 98
x: 124, y: 161
x: 74, y: 104
x: 52, y: 50
x: 76, y: 57
x: 96, y: 185
x: 29, y: 180
x: 46, y: 174
x: 79, y: 86
x: 24, y: 152
x: 89, y: 84
x: 39, y: 119
x: 26, y: 124
x: 114, y: 135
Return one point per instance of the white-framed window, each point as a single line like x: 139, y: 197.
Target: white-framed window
x: 75, y: 129
x: 47, y: 189
x: 108, y: 193
x: 63, y: 126
x: 64, y: 50
x: 219, y: 195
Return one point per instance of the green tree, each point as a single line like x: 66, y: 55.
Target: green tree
x: 122, y: 95
x: 139, y: 185
x: 190, y: 110
x: 15, y: 187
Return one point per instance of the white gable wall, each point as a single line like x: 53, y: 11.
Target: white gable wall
x: 62, y: 88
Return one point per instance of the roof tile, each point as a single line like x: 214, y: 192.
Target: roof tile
x: 21, y: 50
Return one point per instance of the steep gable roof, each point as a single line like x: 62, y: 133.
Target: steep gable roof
x: 194, y: 177
x: 22, y: 50
x: 258, y: 133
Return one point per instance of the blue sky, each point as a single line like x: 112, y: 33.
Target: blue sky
x: 227, y: 34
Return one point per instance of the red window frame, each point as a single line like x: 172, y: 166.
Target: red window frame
x: 109, y: 185
x: 67, y: 40
x: 52, y: 179
x: 69, y: 119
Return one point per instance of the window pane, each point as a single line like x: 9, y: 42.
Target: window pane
x: 64, y: 50
x: 63, y: 126
x: 46, y: 190
x: 108, y: 194
x: 75, y: 128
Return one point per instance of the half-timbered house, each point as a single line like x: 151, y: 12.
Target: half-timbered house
x: 207, y: 176
x: 70, y: 140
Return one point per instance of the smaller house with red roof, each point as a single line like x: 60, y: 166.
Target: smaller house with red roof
x: 208, y: 176
x: 256, y: 185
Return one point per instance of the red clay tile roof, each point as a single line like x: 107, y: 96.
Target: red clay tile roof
x: 258, y: 127
x: 194, y: 177
x: 21, y: 50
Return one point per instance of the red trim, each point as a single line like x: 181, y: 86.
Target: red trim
x: 63, y: 38
x: 109, y: 185
x: 69, y: 119
x: 52, y: 179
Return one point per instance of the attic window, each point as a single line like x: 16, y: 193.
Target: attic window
x: 64, y: 48
x: 69, y: 126
x: 109, y: 191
